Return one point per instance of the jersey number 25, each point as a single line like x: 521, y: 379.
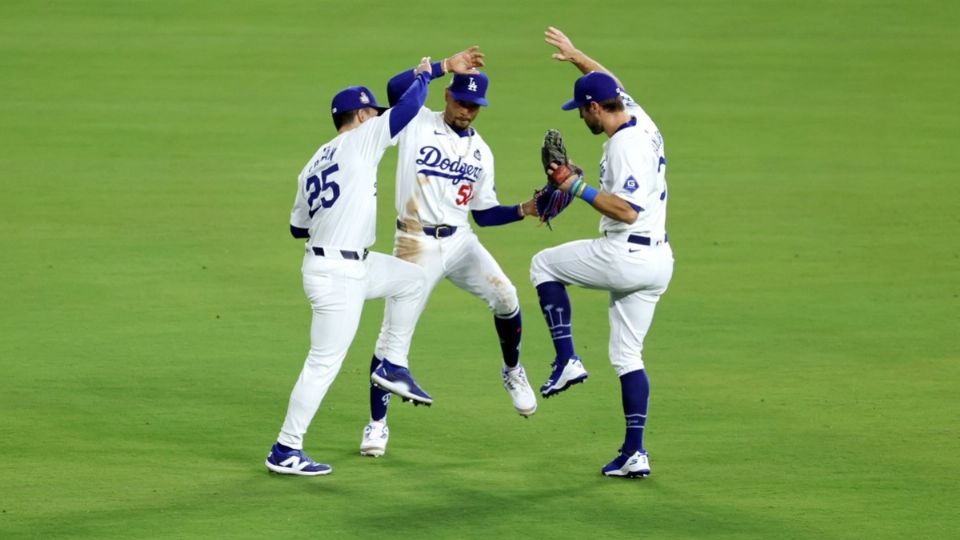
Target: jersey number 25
x: 316, y: 185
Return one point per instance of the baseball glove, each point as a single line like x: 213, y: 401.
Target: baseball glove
x: 554, y: 152
x: 550, y: 202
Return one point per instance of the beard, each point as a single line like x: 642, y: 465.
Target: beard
x: 594, y: 126
x: 460, y: 123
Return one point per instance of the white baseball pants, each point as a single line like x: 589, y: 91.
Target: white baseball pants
x: 463, y: 260
x: 337, y: 289
x: 635, y: 275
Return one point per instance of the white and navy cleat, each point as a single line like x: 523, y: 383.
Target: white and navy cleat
x: 295, y: 462
x: 565, y: 374
x: 635, y: 465
x: 515, y: 381
x: 400, y: 381
x: 375, y: 437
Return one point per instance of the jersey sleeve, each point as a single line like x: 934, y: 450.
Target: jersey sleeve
x: 629, y: 174
x: 409, y: 104
x: 300, y: 214
x: 485, y: 192
x: 397, y: 85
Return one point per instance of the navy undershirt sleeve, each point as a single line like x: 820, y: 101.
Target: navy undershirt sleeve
x: 297, y: 232
x: 497, y: 215
x: 401, y: 81
x: 409, y: 104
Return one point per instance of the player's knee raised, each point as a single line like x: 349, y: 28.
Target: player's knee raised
x: 539, y: 271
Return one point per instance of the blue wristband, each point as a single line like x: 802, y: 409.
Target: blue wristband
x: 589, y: 194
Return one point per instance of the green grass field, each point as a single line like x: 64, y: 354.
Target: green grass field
x: 152, y: 321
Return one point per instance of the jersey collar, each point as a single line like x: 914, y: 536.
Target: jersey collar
x: 632, y: 122
x: 466, y: 132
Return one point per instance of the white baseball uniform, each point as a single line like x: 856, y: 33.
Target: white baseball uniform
x: 441, y: 176
x: 632, y: 260
x: 336, y: 200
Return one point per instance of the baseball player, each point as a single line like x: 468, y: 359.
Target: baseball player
x: 632, y: 259
x: 445, y: 172
x: 335, y: 210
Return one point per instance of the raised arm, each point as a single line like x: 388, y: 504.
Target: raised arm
x: 566, y: 52
x: 466, y: 61
x: 414, y: 96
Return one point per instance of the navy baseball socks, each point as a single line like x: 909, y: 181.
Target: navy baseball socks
x: 379, y: 398
x: 376, y: 434
x: 509, y: 330
x: 567, y: 369
x: 632, y: 460
x: 635, y: 395
x: 555, y: 305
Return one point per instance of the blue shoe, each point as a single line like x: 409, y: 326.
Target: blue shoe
x: 400, y: 381
x: 566, y: 373
x: 635, y: 465
x: 295, y: 462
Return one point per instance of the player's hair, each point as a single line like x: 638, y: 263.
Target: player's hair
x: 612, y: 104
x: 344, y: 118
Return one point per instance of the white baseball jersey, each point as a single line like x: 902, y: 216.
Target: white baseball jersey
x: 634, y: 167
x: 337, y: 189
x: 440, y: 175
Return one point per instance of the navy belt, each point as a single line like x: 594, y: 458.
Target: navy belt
x: 440, y: 231
x: 643, y: 240
x: 346, y: 254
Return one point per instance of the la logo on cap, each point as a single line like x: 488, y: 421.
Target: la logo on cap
x: 472, y: 86
x: 364, y: 99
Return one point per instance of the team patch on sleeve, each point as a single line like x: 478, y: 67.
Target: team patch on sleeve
x: 631, y: 185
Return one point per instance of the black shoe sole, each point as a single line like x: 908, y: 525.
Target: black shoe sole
x: 564, y: 389
x: 405, y: 398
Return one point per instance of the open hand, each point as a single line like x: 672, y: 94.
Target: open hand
x: 465, y: 62
x: 566, y: 50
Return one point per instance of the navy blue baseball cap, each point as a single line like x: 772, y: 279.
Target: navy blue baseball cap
x: 353, y: 98
x: 594, y: 86
x: 470, y: 88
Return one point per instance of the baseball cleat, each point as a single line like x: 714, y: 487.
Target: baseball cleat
x: 565, y: 374
x: 515, y: 381
x: 295, y: 462
x: 635, y: 465
x: 374, y: 442
x: 400, y: 381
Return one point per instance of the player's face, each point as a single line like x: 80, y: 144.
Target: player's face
x: 459, y: 114
x: 591, y: 118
